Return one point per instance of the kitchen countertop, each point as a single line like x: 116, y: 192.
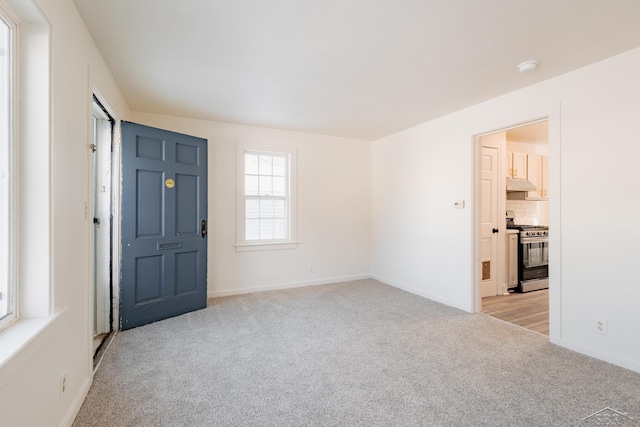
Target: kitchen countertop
x: 512, y: 231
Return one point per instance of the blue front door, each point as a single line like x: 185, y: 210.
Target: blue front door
x: 164, y: 214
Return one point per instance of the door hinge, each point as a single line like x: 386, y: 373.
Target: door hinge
x: 93, y: 147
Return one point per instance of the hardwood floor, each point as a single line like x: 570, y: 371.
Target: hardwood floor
x: 529, y: 310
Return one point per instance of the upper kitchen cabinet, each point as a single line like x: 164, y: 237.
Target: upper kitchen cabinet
x: 516, y: 165
x: 544, y: 182
x: 538, y: 174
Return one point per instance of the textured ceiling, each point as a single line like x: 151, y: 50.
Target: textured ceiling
x: 354, y: 68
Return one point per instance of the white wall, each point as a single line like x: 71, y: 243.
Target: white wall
x: 30, y: 381
x: 421, y: 243
x: 333, y: 208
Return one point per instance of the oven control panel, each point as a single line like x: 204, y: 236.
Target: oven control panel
x: 535, y: 233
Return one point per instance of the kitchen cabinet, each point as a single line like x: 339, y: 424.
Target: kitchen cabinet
x: 538, y: 174
x: 512, y: 258
x: 544, y: 182
x: 516, y: 165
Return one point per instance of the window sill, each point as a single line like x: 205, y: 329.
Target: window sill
x: 251, y: 247
x: 24, y: 337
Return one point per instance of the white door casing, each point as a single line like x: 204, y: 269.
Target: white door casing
x: 552, y: 114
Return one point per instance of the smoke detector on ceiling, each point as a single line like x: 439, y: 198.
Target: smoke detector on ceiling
x: 527, y: 66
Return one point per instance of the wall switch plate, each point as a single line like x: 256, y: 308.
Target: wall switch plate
x: 458, y: 204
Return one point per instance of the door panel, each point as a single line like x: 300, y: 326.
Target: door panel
x: 186, y: 154
x: 164, y: 198
x: 187, y: 222
x: 149, y: 203
x: 148, y: 278
x: 187, y: 270
x: 149, y: 148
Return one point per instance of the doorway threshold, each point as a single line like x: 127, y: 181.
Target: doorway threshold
x: 101, y: 343
x: 529, y: 310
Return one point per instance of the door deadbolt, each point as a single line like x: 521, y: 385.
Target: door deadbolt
x: 203, y: 228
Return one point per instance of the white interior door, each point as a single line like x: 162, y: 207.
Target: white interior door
x: 489, y: 229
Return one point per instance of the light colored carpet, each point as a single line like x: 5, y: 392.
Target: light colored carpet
x: 357, y: 353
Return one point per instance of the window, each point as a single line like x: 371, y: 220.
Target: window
x: 266, y: 188
x: 26, y: 304
x: 266, y: 199
x: 7, y: 272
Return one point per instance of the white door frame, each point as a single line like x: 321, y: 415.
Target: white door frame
x: 116, y: 250
x: 552, y: 114
x: 111, y: 156
x: 101, y: 209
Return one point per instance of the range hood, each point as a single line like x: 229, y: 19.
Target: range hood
x: 519, y: 185
x: 518, y: 189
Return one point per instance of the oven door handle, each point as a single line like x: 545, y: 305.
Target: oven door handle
x: 527, y: 240
x: 534, y: 264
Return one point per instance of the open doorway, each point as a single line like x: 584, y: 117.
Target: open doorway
x: 102, y: 127
x: 514, y: 225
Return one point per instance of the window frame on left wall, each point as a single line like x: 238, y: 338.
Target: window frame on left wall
x: 244, y: 244
x: 8, y: 253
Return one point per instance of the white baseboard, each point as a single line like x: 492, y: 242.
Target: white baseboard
x: 77, y: 403
x: 623, y: 362
x: 291, y: 285
x: 418, y: 292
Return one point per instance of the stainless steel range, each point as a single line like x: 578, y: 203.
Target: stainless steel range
x: 533, y: 255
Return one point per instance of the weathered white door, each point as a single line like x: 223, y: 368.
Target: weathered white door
x: 101, y: 185
x: 489, y: 228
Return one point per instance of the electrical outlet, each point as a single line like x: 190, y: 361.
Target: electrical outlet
x: 601, y: 326
x: 63, y: 384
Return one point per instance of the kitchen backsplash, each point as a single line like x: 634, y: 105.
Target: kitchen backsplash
x: 530, y: 212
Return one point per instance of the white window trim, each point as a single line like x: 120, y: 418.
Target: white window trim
x: 12, y: 175
x: 31, y: 185
x: 243, y: 245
